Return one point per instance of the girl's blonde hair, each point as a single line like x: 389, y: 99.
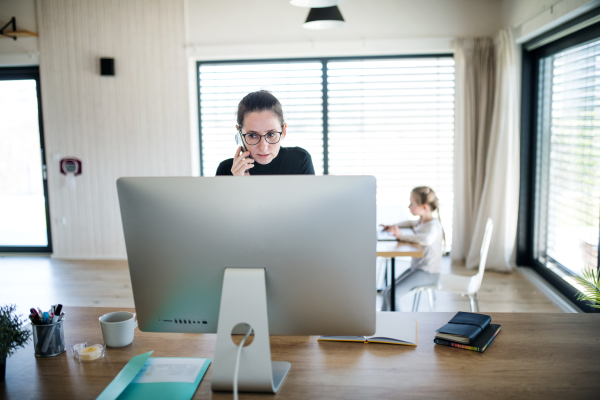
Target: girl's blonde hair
x: 426, y: 195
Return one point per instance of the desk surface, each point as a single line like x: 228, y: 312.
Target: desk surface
x: 399, y: 249
x: 534, y: 356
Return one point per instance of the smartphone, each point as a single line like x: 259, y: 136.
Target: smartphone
x: 239, y: 140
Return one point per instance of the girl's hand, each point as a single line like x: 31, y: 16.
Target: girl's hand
x: 241, y: 163
x: 387, y: 228
x: 393, y: 229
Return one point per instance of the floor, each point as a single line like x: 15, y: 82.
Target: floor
x: 39, y: 281
x: 500, y: 292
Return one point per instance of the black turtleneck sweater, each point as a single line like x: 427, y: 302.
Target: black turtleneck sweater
x: 289, y: 161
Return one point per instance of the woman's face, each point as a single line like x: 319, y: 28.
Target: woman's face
x: 263, y: 122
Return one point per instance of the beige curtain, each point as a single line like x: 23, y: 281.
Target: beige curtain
x: 486, y: 149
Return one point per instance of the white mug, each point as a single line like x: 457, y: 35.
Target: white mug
x: 117, y: 328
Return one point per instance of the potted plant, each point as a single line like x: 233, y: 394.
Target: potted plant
x: 13, y: 335
x: 590, y: 280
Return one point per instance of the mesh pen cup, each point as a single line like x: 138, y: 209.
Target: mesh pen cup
x: 48, y: 339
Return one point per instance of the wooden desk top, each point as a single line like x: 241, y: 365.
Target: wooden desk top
x: 399, y: 249
x: 535, y: 356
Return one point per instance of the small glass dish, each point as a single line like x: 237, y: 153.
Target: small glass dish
x: 84, y: 353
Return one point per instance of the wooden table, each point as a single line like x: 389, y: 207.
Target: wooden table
x: 393, y: 249
x: 535, y: 356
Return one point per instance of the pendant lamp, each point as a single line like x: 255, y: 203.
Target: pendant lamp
x: 324, y: 18
x: 315, y: 3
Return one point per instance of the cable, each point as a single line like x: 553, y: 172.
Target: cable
x: 237, y: 364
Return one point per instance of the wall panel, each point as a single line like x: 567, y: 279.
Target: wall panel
x: 133, y: 124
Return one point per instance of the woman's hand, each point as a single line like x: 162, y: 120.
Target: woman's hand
x: 241, y: 163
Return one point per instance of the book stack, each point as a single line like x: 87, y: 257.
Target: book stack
x: 468, y: 331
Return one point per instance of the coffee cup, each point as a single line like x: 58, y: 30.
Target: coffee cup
x: 117, y: 328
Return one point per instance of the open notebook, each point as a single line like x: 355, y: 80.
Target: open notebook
x: 391, y: 328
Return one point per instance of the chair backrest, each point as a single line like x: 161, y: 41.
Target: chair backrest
x: 485, y: 245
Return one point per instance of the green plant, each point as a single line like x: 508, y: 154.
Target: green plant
x: 590, y: 280
x: 12, y: 333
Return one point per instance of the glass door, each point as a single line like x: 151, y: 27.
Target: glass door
x: 24, y: 218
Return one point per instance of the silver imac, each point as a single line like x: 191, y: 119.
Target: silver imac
x: 288, y: 255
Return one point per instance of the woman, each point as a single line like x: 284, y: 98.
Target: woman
x: 262, y: 128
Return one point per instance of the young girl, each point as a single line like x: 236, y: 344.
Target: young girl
x: 429, y: 234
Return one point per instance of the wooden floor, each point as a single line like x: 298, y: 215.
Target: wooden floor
x: 41, y: 281
x: 500, y: 292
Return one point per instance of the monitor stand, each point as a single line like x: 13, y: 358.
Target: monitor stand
x: 244, y: 300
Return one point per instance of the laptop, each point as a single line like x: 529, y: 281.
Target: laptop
x: 385, y: 236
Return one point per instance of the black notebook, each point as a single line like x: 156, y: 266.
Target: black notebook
x: 463, y: 327
x: 480, y: 343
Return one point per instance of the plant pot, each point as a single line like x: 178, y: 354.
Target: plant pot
x: 2, y: 369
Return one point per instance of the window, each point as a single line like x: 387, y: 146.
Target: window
x: 391, y: 117
x: 297, y: 85
x: 568, y: 179
x: 568, y: 217
x: 560, y: 216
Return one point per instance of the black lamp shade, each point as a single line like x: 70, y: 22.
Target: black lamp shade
x: 324, y: 18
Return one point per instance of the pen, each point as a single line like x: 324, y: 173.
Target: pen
x: 36, y: 316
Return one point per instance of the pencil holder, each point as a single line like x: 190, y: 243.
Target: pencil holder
x: 48, y: 339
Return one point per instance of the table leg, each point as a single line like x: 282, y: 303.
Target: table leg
x: 393, y: 292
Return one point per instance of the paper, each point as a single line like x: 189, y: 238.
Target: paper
x: 167, y: 369
x: 120, y: 383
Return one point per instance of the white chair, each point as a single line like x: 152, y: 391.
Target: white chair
x: 463, y: 285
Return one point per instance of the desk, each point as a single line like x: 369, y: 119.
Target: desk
x: 535, y: 356
x: 397, y: 249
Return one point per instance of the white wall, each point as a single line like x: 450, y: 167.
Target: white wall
x: 23, y: 51
x: 531, y: 18
x: 231, y: 29
x: 133, y: 124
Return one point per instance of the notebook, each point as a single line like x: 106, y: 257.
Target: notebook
x: 390, y: 328
x: 480, y: 343
x: 463, y: 327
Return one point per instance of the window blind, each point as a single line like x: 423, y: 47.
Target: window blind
x: 568, y: 181
x: 297, y: 85
x: 394, y: 119
x: 389, y: 117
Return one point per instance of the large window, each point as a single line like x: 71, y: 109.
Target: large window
x: 568, y: 178
x: 562, y: 103
x: 391, y: 117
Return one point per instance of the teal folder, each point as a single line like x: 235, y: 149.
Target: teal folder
x: 124, y: 387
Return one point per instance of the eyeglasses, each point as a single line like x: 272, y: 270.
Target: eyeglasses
x: 270, y: 137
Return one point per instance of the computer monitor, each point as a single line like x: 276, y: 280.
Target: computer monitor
x: 311, y: 237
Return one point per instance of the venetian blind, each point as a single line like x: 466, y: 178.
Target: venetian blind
x: 297, y: 85
x: 394, y: 119
x: 569, y: 157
